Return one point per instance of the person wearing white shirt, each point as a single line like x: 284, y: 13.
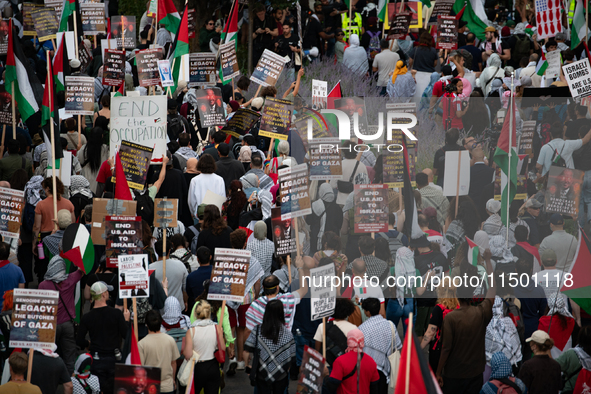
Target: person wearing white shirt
x: 558, y: 146
x: 206, y: 180
x: 429, y: 173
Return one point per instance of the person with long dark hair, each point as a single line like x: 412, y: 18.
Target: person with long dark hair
x: 276, y: 348
x: 215, y: 232
x: 91, y: 156
x: 235, y: 204
x: 424, y: 56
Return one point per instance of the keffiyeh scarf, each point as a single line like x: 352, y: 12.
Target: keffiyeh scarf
x: 80, y: 185
x: 56, y: 270
x: 404, y: 266
x: 33, y: 190
x: 502, y: 336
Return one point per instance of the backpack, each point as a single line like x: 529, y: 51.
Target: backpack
x: 193, y: 246
x: 336, y: 342
x: 177, y: 334
x: 374, y: 44
x: 506, y: 386
x: 185, y: 260
x: 145, y: 206
x: 521, y: 48
x: 393, y: 243
x: 174, y: 127
x: 143, y: 307
x: 29, y: 217
x: 511, y: 310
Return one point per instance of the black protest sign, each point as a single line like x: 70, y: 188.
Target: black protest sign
x: 276, y: 118
x: 447, y: 32
x: 45, y: 23
x: 295, y: 197
x: 192, y: 21
x: 57, y: 5
x: 84, y: 56
x: 122, y: 234
x: 12, y: 203
x: 268, y: 70
x: 135, y: 159
x: 283, y: 234
x: 93, y: 18
x: 563, y: 191
x: 527, y: 138
x: 399, y: 24
x: 323, y: 295
x: 166, y: 212
x: 325, y: 159
x: 129, y: 377
x: 202, y: 69
x: 578, y: 77
x: 34, y: 319
x: 442, y: 7
x: 147, y: 66
x: 28, y: 24
x: 394, y: 165
x: 123, y: 30
x: 241, y: 122
x: 211, y: 109
x: 229, y: 61
x: 228, y: 275
x: 79, y: 95
x: 310, y: 119
x: 310, y: 377
x: 371, y: 208
x: 5, y: 108
x: 113, y: 67
x: 4, y: 29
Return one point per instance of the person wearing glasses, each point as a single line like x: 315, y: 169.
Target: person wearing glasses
x: 532, y: 211
x: 208, y: 31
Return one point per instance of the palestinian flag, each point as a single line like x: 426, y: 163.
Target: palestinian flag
x: 473, y: 251
x: 68, y: 9
x: 48, y: 114
x: 529, y: 30
x: 383, y: 9
x: 48, y: 104
x: 473, y: 14
x: 61, y: 65
x: 578, y: 27
x: 135, y: 351
x: 122, y: 191
x: 335, y: 93
x: 507, y: 159
x: 542, y: 65
x: 180, y: 47
x: 230, y: 32
x: 27, y: 88
x: 121, y: 91
x: 169, y: 16
x: 414, y: 374
x: 580, y: 291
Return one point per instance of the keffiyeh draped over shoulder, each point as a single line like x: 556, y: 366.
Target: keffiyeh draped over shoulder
x: 190, y: 97
x: 172, y: 316
x: 80, y: 185
x: 84, y: 382
x: 404, y: 266
x: 502, y: 336
x: 33, y: 190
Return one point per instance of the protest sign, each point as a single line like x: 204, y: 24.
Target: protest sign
x: 34, y: 319
x: 371, y: 208
x: 45, y: 23
x: 442, y: 7
x: 521, y: 192
x: 399, y: 25
x: 134, y: 280
x: 325, y: 164
x: 105, y: 44
x: 308, y: 118
x: 202, y: 69
x: 283, y: 236
x: 5, y: 108
x: 4, y: 29
x: 268, y: 70
x: 79, y: 95
x: 192, y: 21
x: 93, y: 18
x: 166, y: 212
x: 65, y: 170
x: 113, y: 67
x: 228, y: 275
x: 295, y: 199
x: 394, y: 166
x: 311, y: 372
x: 276, y: 118
x: 212, y: 198
x: 323, y: 295
x: 103, y: 207
x: 548, y: 18
x: 141, y: 120
x: 447, y: 32
x: 84, y: 56
x: 578, y: 78
x: 123, y: 30
x: 563, y: 191
x: 211, y: 109
x: 354, y: 106
x: 450, y: 180
x: 136, y: 379
x: 147, y: 66
x: 527, y: 137
x: 122, y: 234
x: 165, y: 73
x: 135, y: 160
x: 28, y: 24
x: 12, y: 203
x: 319, y: 93
x: 57, y: 5
x: 228, y: 61
x: 241, y: 122
x: 554, y: 59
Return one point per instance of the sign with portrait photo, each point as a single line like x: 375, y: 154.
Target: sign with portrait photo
x: 123, y: 30
x: 136, y: 379
x: 4, y: 29
x: 354, y: 107
x: 563, y: 191
x: 211, y: 109
x: 283, y: 235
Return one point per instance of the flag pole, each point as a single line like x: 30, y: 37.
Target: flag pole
x: 586, y: 21
x: 52, y: 137
x: 75, y: 33
x: 30, y: 365
x: 511, y: 115
x: 408, y: 352
x: 13, y: 113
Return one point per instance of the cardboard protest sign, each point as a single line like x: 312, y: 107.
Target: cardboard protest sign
x: 450, y: 180
x: 134, y: 280
x: 323, y: 296
x: 45, y: 23
x: 5, y: 108
x: 554, y: 59
x: 79, y: 95
x: 527, y: 138
x: 354, y: 106
x: 135, y: 160
x: 442, y: 7
x: 548, y: 18
x: 447, y: 32
x: 276, y: 118
x: 141, y: 120
x: 394, y: 166
x: 34, y: 319
x: 28, y: 24
x: 399, y: 25
x: 123, y: 234
x: 166, y: 212
x: 310, y: 377
x: 93, y: 18
x: 192, y: 21
x: 228, y: 61
x: 228, y: 275
x: 295, y: 198
x: 319, y: 93
x: 113, y: 67
x: 202, y: 69
x: 211, y: 109
x: 268, y: 70
x: 241, y: 122
x: 563, y: 191
x: 147, y: 66
x: 12, y: 203
x: 136, y: 379
x: 123, y: 30
x: 371, y: 208
x: 578, y: 77
x: 165, y: 73
x: 521, y: 186
x: 283, y: 236
x: 103, y: 207
x: 325, y: 159
x: 4, y: 29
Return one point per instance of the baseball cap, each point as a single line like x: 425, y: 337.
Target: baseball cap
x: 556, y: 219
x: 257, y: 103
x: 201, y: 210
x: 548, y: 256
x: 75, y: 63
x: 99, y: 288
x: 533, y: 203
x: 538, y: 336
x: 64, y: 218
x: 510, y: 23
x: 493, y: 205
x: 490, y: 29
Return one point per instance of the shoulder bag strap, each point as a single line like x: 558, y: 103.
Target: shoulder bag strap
x: 62, y: 301
x: 393, y: 333
x: 354, y: 171
x: 347, y: 376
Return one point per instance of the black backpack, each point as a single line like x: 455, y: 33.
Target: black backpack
x: 336, y: 342
x: 521, y: 49
x: 29, y: 217
x: 145, y: 206
x: 175, y: 127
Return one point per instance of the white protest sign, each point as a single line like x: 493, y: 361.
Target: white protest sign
x: 65, y: 170
x: 319, y: 93
x: 578, y: 78
x: 134, y: 280
x: 450, y: 180
x: 553, y: 59
x: 141, y: 120
x: 105, y: 45
x: 165, y: 73
x: 70, y: 43
x: 323, y: 296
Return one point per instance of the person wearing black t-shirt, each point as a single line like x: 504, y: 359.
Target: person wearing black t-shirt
x: 314, y: 33
x: 264, y: 30
x: 287, y: 44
